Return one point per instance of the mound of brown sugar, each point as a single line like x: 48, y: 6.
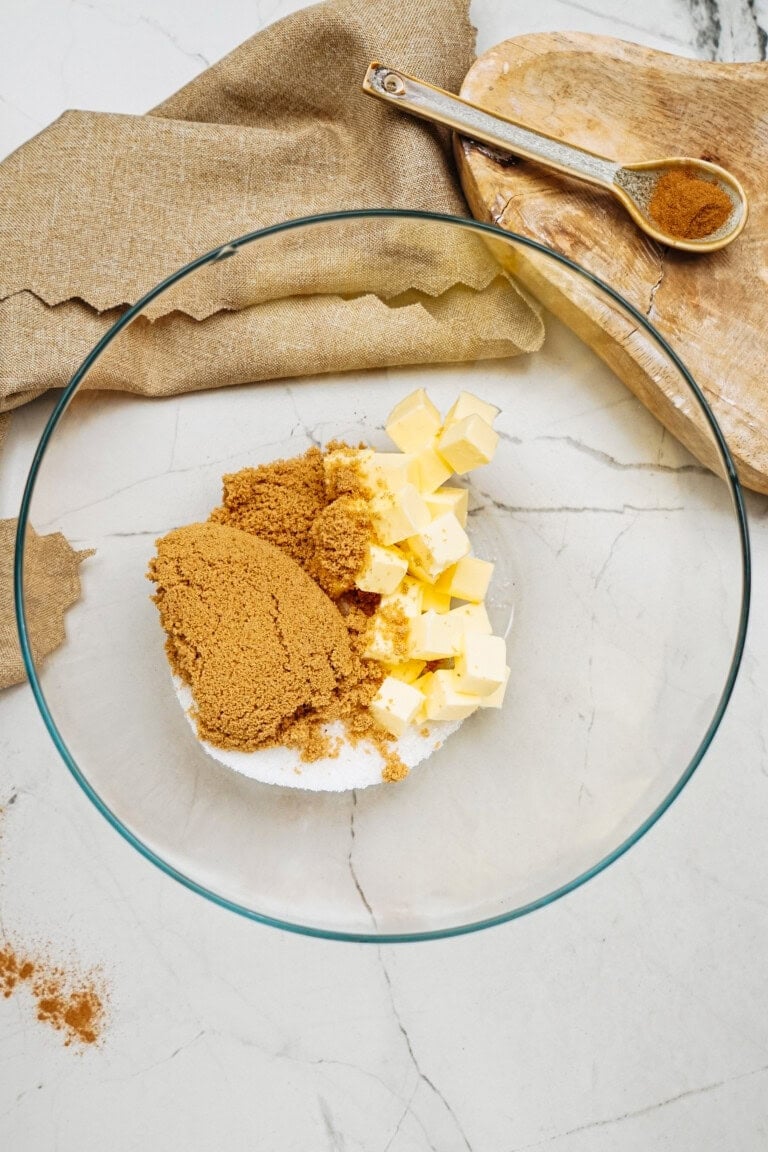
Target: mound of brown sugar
x: 278, y: 502
x: 286, y: 504
x: 268, y: 657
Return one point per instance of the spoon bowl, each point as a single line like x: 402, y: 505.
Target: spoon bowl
x: 633, y: 185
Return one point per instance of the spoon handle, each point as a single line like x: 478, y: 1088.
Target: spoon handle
x: 430, y: 103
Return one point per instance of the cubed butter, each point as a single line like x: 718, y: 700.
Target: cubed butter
x: 398, y: 515
x: 431, y: 470
x: 422, y: 684
x: 388, y: 637
x: 449, y: 499
x: 445, y: 701
x: 468, y: 579
x: 434, y: 601
x: 384, y: 570
x: 434, y: 637
x: 468, y: 443
x: 414, y: 422
x: 468, y: 405
x: 496, y: 699
x: 471, y: 618
x: 410, y: 671
x: 395, y: 705
x: 480, y: 666
x: 392, y: 469
x: 441, y: 543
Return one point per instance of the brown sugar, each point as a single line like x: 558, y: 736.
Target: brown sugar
x: 257, y: 641
x: 685, y: 206
x: 286, y: 504
x: 340, y: 538
x: 278, y: 502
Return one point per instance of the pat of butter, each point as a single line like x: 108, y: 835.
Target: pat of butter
x: 431, y: 470
x: 434, y: 637
x: 414, y: 422
x: 438, y: 545
x: 496, y: 699
x: 434, y: 601
x: 449, y: 499
x: 480, y: 667
x: 395, y: 705
x: 389, y: 633
x: 468, y: 443
x: 384, y: 570
x: 392, y: 469
x: 410, y: 671
x: 471, y: 618
x: 469, y: 405
x: 400, y: 514
x: 444, y: 699
x: 468, y: 579
x: 422, y: 684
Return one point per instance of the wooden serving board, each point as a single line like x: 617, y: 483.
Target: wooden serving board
x: 633, y: 103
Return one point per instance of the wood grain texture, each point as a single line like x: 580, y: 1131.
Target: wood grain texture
x: 633, y: 103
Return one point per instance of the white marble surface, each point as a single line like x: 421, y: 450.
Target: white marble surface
x: 630, y: 1016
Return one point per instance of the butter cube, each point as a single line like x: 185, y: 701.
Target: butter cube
x: 410, y: 671
x: 469, y: 405
x: 438, y: 545
x: 468, y: 579
x: 434, y: 637
x: 384, y: 570
x: 480, y: 667
x: 449, y: 499
x: 406, y: 601
x: 414, y: 422
x: 433, y: 600
x: 400, y: 514
x: 422, y: 684
x: 471, y: 618
x: 395, y: 705
x: 445, y: 701
x: 388, y: 637
x: 393, y: 470
x: 496, y: 699
x: 468, y: 443
x: 431, y: 470
x: 383, y: 643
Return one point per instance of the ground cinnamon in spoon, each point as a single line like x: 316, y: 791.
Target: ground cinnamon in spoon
x: 687, y: 207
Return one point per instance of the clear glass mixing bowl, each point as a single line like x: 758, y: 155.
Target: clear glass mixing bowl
x: 625, y: 560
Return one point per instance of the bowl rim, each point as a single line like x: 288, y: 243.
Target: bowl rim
x: 221, y: 252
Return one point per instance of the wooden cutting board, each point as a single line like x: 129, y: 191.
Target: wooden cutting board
x: 633, y: 103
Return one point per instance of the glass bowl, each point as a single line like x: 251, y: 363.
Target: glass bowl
x: 623, y: 560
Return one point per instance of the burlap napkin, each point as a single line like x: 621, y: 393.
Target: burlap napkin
x: 99, y: 207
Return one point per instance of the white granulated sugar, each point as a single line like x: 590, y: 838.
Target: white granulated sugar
x: 356, y: 767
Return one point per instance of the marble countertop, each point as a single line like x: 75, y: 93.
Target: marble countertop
x: 630, y: 1015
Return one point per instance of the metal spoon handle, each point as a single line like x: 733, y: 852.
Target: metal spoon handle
x: 430, y: 103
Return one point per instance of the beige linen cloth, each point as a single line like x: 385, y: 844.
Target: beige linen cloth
x: 100, y: 207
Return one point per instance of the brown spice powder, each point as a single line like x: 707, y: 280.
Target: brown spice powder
x: 71, y: 1003
x: 688, y: 207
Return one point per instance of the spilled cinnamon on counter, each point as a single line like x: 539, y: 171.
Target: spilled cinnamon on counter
x: 70, y: 1002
